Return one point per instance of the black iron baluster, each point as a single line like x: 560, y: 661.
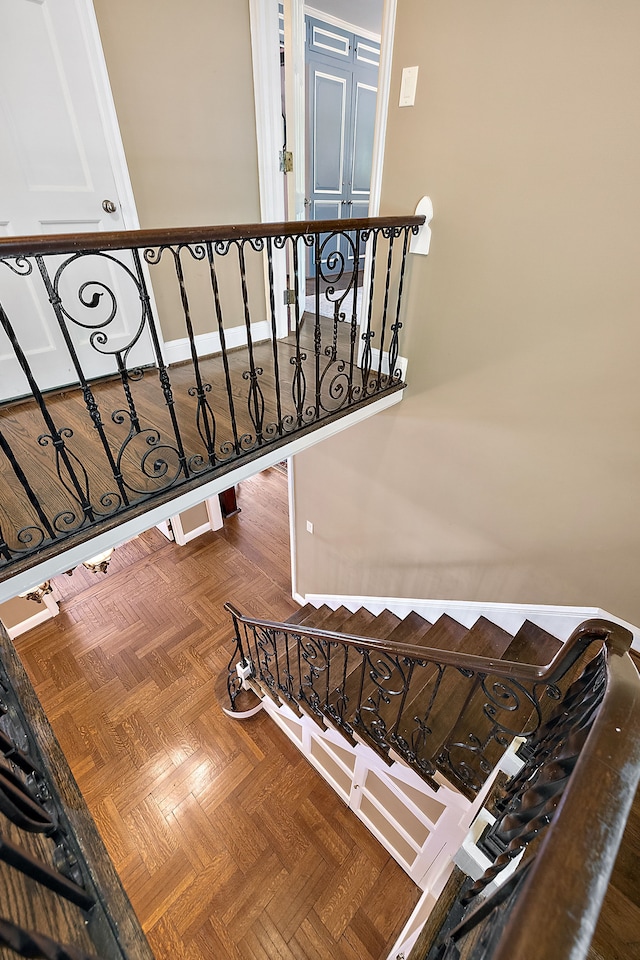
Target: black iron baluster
x: 354, y: 315
x: 26, y: 486
x: 57, y: 437
x: 395, y: 327
x: 390, y: 234
x: 163, y: 373
x: 223, y: 348
x: 205, y: 420
x: 274, y: 335
x: 255, y: 400
x: 87, y: 393
x: 369, y: 334
x: 317, y: 329
x: 28, y: 943
x: 299, y: 382
x: 39, y: 871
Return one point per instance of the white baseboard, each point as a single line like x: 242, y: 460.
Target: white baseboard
x: 40, y: 617
x: 177, y: 351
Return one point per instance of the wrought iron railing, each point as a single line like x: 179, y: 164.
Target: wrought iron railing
x: 403, y: 699
x: 62, y: 899
x: 96, y: 421
x: 564, y: 814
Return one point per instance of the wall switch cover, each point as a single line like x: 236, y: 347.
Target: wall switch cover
x: 408, y: 86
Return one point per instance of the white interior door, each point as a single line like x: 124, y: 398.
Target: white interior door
x: 58, y: 165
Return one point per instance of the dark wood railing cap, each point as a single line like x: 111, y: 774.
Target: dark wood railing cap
x: 157, y: 237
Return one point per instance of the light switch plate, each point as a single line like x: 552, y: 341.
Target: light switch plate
x: 408, y: 86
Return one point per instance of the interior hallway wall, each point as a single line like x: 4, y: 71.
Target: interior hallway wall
x: 511, y: 471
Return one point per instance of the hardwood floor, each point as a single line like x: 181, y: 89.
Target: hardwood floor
x: 228, y: 842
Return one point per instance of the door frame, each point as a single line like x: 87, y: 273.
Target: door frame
x: 111, y: 127
x: 263, y: 16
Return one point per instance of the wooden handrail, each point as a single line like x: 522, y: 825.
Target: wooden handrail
x: 557, y: 909
x: 588, y: 632
x: 157, y: 237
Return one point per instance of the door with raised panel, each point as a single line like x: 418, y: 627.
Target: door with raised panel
x: 57, y: 176
x: 342, y: 71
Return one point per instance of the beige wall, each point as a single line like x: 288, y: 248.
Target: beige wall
x: 511, y: 471
x: 182, y: 83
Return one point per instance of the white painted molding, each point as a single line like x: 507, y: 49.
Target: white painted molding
x: 209, y: 343
x: 111, y: 127
x: 421, y: 241
x: 295, y: 105
x: 338, y: 22
x: 40, y: 617
x: 379, y: 137
x: 131, y: 528
x: 560, y: 621
x: 265, y: 50
x: 382, y: 104
x: 291, y: 495
x: 214, y: 522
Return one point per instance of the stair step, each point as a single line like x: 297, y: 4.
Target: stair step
x: 532, y: 644
x: 358, y: 622
x: 445, y: 634
x: 301, y: 614
x: 412, y: 630
x: 486, y: 639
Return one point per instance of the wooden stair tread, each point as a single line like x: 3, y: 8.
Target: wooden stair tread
x: 412, y: 629
x: 532, y: 644
x: 301, y: 614
x: 486, y: 639
x: 358, y: 622
x: 446, y: 634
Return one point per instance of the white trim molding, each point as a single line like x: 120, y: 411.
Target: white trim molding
x: 207, y: 344
x: 333, y: 21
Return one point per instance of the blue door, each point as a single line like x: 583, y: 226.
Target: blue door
x: 342, y: 76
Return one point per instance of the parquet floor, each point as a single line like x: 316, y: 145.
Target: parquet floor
x: 229, y: 844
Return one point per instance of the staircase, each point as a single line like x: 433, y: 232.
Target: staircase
x: 444, y: 699
x: 443, y: 702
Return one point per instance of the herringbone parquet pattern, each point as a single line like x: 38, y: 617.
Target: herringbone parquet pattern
x: 228, y: 843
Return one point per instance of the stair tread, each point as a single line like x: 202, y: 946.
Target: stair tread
x: 301, y: 614
x: 446, y: 634
x: 317, y: 617
x: 412, y: 629
x: 532, y: 644
x: 486, y: 639
x: 381, y: 626
x: 358, y: 622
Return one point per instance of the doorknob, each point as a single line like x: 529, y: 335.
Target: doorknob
x: 109, y: 206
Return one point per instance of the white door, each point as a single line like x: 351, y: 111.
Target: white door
x: 57, y: 168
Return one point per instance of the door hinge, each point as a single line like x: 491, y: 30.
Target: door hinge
x: 289, y: 297
x: 286, y: 161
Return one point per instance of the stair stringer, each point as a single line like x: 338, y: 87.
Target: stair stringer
x: 421, y: 828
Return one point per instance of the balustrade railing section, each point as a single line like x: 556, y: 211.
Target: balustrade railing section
x: 134, y: 365
x: 406, y: 700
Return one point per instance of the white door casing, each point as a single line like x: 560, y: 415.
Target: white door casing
x: 61, y: 158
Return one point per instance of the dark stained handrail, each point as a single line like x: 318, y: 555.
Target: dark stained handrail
x: 557, y: 909
x: 163, y: 236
